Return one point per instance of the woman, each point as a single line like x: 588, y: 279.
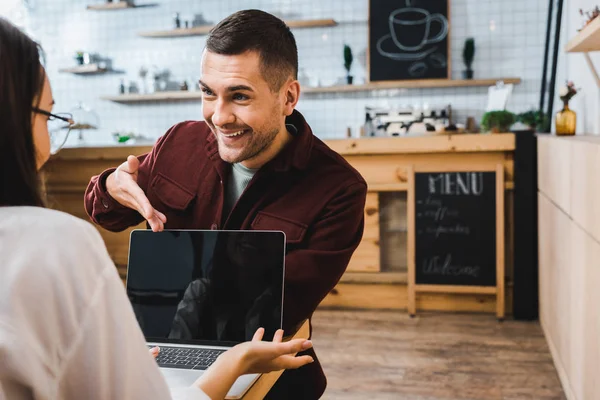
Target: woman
x: 67, y: 329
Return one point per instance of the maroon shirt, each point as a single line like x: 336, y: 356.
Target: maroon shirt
x: 307, y: 191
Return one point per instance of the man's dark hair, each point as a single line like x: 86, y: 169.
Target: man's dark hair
x: 255, y: 30
x: 21, y: 82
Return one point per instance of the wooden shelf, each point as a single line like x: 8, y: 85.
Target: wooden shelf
x: 183, y: 95
x: 588, y: 39
x: 203, y: 30
x: 121, y: 5
x: 84, y: 69
x: 413, y: 84
x: 158, y: 96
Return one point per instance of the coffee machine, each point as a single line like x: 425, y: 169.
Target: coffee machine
x: 388, y: 121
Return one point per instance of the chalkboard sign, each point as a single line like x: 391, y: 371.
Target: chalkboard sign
x: 455, y: 228
x: 408, y: 39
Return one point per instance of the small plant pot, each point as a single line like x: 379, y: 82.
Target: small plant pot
x: 499, y: 129
x: 79, y: 59
x: 467, y: 74
x: 349, y: 79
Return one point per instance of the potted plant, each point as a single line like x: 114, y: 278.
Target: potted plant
x: 79, y: 57
x: 497, y: 121
x: 566, y: 119
x: 348, y: 58
x: 468, y: 56
x: 534, y: 119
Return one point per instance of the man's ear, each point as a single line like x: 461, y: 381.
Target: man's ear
x: 291, y: 96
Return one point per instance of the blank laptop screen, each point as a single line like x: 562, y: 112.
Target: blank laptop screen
x: 205, y: 286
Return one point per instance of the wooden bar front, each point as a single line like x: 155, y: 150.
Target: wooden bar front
x: 377, y: 274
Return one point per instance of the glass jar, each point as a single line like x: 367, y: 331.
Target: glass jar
x: 85, y: 119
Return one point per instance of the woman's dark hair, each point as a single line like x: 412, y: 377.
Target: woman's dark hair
x: 21, y: 82
x: 255, y: 30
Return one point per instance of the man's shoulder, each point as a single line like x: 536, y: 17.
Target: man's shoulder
x: 184, y: 146
x: 331, y: 162
x: 186, y: 131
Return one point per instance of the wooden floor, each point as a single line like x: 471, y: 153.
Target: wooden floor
x: 370, y: 355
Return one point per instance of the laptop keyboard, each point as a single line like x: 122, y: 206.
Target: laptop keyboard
x: 186, y: 358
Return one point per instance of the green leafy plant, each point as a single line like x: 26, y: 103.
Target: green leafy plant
x: 535, y: 119
x: 497, y: 121
x: 348, y: 58
x: 469, y: 52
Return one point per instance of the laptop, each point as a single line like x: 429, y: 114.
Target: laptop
x: 197, y: 293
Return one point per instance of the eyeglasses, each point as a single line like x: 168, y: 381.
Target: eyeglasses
x: 59, y: 126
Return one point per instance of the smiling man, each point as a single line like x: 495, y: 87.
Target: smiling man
x: 253, y: 163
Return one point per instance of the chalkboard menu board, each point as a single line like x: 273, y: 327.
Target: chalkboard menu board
x: 408, y: 39
x: 455, y: 228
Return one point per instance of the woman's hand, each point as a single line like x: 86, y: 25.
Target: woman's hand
x: 261, y: 357
x: 154, y: 351
x: 255, y: 356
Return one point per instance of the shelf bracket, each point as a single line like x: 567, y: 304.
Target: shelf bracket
x: 592, y: 68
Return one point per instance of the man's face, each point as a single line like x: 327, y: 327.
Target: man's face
x: 238, y: 105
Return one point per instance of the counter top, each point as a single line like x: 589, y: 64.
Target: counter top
x: 595, y: 139
x: 458, y: 143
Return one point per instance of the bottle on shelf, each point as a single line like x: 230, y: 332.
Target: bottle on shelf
x: 369, y: 127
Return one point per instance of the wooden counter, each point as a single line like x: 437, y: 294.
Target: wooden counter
x: 376, y: 276
x: 569, y: 259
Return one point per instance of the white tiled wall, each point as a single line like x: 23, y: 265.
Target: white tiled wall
x: 572, y: 66
x: 509, y: 39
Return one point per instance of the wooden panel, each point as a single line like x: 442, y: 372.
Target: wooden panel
x: 425, y: 144
x: 456, y: 289
x: 395, y: 296
x: 569, y: 298
x: 367, y: 255
x: 388, y: 169
x: 554, y: 170
x: 500, y: 245
x: 104, y: 154
x: 585, y: 186
x: 394, y: 231
x: 74, y: 173
x: 569, y: 250
x: 554, y: 257
x: 574, y: 321
x: 383, y: 277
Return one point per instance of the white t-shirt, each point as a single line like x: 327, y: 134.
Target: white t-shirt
x: 67, y: 329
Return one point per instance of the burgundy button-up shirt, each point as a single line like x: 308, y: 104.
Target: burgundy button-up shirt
x: 307, y: 191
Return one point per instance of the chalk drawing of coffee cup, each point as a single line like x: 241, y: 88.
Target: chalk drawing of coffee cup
x: 410, y: 28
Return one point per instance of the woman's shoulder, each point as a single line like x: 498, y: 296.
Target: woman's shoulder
x: 42, y: 223
x: 34, y: 236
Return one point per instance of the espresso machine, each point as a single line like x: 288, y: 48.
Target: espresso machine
x: 388, y: 121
